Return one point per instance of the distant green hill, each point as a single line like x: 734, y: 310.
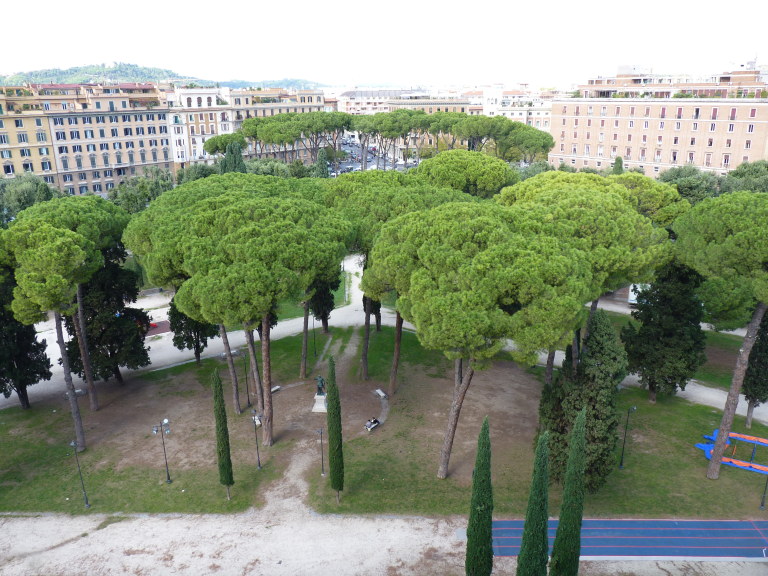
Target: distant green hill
x: 122, y: 72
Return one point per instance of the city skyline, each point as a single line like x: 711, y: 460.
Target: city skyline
x: 424, y: 44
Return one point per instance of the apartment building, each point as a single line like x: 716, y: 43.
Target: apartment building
x: 88, y: 138
x: 83, y: 137
x: 656, y: 133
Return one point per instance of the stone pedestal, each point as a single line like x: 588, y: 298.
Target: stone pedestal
x: 320, y: 404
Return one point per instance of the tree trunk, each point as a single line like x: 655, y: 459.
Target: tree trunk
x: 229, y: 496
x: 23, y: 395
x: 750, y: 411
x: 198, y: 349
x: 266, y: 366
x: 550, y: 369
x: 742, y: 361
x: 71, y: 396
x: 85, y: 355
x: 254, y: 368
x: 460, y: 387
x: 652, y: 393
x: 396, y: 355
x: 366, y: 337
x: 118, y: 376
x: 378, y: 320
x: 304, y: 341
x: 592, y: 309
x: 324, y: 320
x: 92, y: 398
x: 575, y: 351
x: 232, y: 370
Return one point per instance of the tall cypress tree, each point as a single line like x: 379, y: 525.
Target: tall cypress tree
x: 602, y: 368
x: 335, y: 452
x: 534, y: 549
x: 479, y: 560
x: 567, y: 547
x: 222, y: 434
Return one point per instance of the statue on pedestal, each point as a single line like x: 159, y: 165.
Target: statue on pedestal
x: 320, y: 386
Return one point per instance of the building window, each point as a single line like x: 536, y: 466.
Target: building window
x: 752, y: 112
x: 726, y: 160
x: 748, y: 144
x: 43, y: 151
x: 19, y: 123
x: 751, y: 128
x: 26, y: 153
x: 661, y: 125
x: 733, y: 114
x: 693, y: 141
x: 714, y: 113
x: 675, y: 140
x: 631, y: 123
x: 42, y: 137
x: 67, y: 178
x: 22, y: 136
x: 730, y: 127
x: 5, y: 154
x: 712, y: 127
x: 677, y: 125
x: 695, y: 126
x: 8, y: 169
x: 728, y: 143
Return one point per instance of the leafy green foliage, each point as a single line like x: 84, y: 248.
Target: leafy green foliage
x: 479, y: 558
x: 22, y: 192
x: 189, y: 334
x: 233, y: 159
x: 115, y: 332
x: 335, y: 446
x: 23, y: 360
x: 567, y: 547
x: 135, y: 194
x: 668, y: 346
x: 755, y: 386
x: 534, y: 548
x: 467, y: 171
x: 692, y: 183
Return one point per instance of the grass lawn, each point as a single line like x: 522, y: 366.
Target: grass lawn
x: 391, y: 470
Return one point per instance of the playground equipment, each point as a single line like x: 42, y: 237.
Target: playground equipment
x: 733, y: 439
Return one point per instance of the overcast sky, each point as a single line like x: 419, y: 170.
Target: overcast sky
x: 405, y: 44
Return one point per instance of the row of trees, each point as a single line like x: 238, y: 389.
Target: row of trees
x: 423, y: 134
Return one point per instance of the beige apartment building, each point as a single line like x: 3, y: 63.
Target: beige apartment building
x: 88, y: 138
x: 83, y: 138
x: 655, y: 123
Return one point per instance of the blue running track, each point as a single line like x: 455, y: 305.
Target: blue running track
x: 651, y: 538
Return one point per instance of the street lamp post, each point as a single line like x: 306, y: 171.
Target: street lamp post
x: 256, y: 423
x: 80, y: 473
x: 163, y: 429
x: 322, y: 457
x: 762, y: 502
x: 626, y: 426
